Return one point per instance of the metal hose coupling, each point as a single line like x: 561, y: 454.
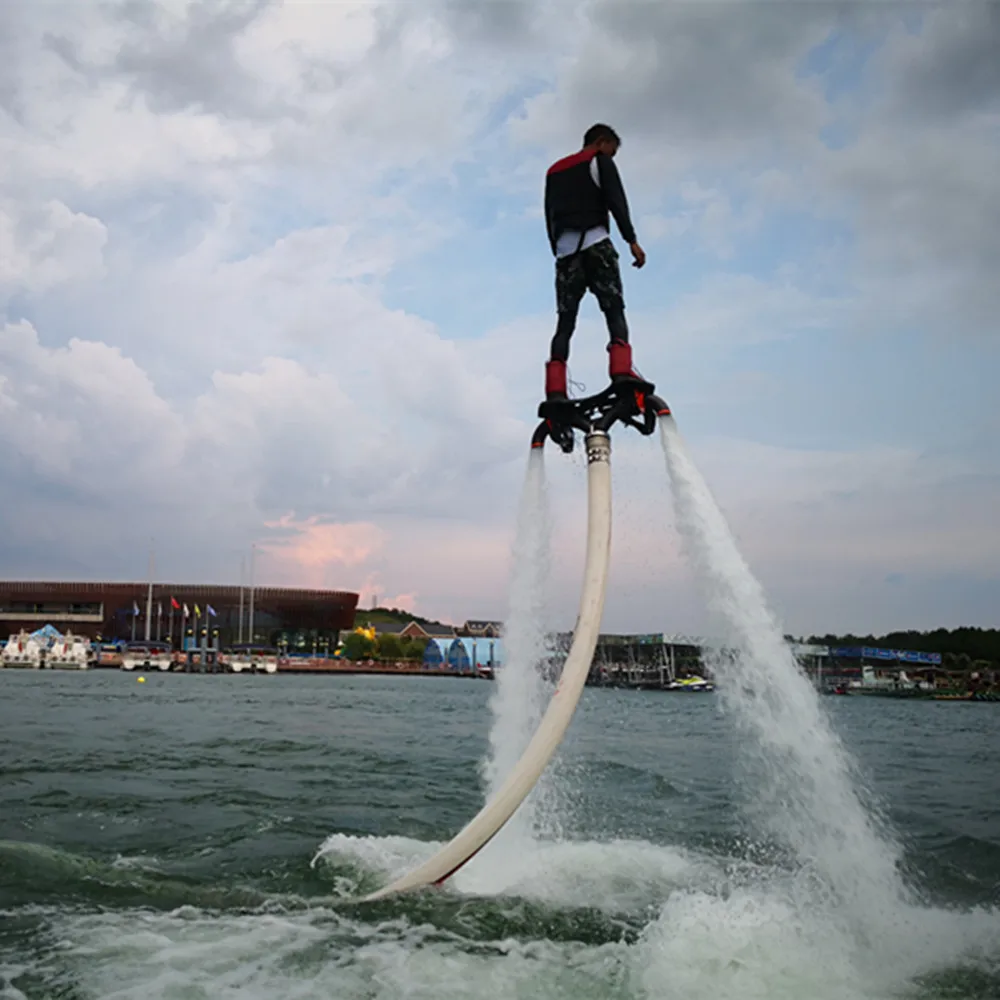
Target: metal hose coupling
x: 598, y: 444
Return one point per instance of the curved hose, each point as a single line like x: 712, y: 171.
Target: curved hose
x: 491, y: 818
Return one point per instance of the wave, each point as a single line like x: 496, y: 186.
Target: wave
x: 618, y: 919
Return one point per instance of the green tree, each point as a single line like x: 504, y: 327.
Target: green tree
x: 413, y: 648
x: 358, y: 647
x: 390, y: 647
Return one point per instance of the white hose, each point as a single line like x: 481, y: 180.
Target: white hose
x: 491, y: 818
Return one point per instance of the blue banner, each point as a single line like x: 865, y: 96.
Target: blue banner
x: 877, y: 653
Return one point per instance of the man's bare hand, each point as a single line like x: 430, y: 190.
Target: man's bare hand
x: 638, y: 255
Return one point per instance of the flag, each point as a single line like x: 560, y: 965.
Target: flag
x: 210, y: 610
x: 186, y: 612
x: 197, y: 611
x: 135, y: 608
x: 174, y: 604
x: 159, y: 608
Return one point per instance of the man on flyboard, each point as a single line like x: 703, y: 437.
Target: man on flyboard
x: 580, y: 192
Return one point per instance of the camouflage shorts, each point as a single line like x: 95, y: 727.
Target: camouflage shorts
x: 595, y: 268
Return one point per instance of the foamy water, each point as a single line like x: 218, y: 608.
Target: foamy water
x: 668, y: 922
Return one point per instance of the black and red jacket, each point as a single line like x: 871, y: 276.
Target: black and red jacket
x: 573, y: 202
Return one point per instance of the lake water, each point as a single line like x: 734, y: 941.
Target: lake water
x: 201, y: 837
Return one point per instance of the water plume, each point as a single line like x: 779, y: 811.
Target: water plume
x: 806, y: 792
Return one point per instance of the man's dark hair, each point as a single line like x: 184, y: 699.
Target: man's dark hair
x: 598, y: 132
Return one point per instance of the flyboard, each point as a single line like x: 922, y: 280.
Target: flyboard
x: 629, y: 401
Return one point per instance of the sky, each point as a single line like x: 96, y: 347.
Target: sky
x: 276, y: 274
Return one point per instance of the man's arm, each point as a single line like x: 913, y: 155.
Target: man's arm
x: 550, y: 223
x: 614, y: 196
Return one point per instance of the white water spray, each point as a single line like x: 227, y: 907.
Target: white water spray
x: 520, y: 694
x: 806, y: 789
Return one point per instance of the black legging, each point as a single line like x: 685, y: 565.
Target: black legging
x: 617, y: 331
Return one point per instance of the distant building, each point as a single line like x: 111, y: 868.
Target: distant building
x: 484, y: 629
x: 299, y: 619
x: 418, y: 630
x: 413, y: 630
x: 463, y: 654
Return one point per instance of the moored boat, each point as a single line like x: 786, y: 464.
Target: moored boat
x: 70, y: 652
x: 247, y: 658
x: 236, y: 659
x: 149, y: 655
x: 264, y: 659
x: 23, y: 651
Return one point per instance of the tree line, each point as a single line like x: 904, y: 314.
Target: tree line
x: 960, y: 648
x: 385, y: 647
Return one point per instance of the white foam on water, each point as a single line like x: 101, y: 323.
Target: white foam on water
x: 805, y: 787
x: 617, y: 875
x: 389, y: 856
x: 769, y: 935
x: 310, y: 956
x: 772, y: 940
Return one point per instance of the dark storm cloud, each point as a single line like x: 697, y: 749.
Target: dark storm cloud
x: 951, y: 66
x: 923, y: 176
x: 175, y: 62
x: 193, y: 62
x: 717, y: 75
x: 493, y: 24
x: 14, y: 48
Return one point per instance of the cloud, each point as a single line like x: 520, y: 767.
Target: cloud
x: 948, y: 67
x: 73, y: 412
x: 234, y: 238
x: 316, y: 552
x: 45, y: 245
x: 688, y: 80
x: 94, y: 452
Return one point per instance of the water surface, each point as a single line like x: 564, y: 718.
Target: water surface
x: 157, y: 840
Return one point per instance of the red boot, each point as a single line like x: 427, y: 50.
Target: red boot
x: 620, y: 361
x: 555, y: 379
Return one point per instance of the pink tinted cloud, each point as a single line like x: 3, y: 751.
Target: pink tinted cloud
x: 313, y: 553
x: 373, y: 593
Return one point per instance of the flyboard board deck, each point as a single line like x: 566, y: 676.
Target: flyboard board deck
x: 491, y: 818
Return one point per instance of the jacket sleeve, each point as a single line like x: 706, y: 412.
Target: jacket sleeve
x: 550, y: 222
x: 614, y: 196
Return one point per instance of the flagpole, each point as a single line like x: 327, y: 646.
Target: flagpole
x: 253, y: 555
x: 149, y: 597
x: 243, y: 567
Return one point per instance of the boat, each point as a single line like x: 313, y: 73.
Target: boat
x: 247, y: 658
x: 108, y: 653
x: 693, y: 683
x: 23, y: 651
x: 149, y: 655
x: 70, y: 652
x: 264, y: 659
x: 898, y: 685
x: 237, y: 659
